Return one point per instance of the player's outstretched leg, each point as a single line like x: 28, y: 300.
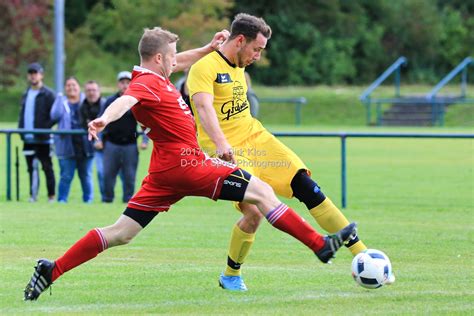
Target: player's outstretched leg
x: 326, y: 214
x: 285, y: 219
x: 85, y: 249
x: 332, y: 243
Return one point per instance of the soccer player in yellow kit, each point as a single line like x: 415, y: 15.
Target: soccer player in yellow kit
x: 217, y: 88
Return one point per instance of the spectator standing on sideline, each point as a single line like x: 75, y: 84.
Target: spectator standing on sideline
x: 36, y: 104
x: 90, y: 109
x: 120, y: 147
x: 73, y: 151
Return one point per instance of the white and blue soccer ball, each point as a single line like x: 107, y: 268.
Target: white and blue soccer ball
x: 371, y: 269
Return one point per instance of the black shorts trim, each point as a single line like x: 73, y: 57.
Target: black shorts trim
x: 141, y: 217
x: 235, y: 185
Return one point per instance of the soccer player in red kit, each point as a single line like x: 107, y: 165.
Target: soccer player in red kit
x: 178, y: 167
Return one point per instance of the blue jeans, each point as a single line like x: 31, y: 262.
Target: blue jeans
x: 119, y: 160
x: 99, y: 165
x: 67, y: 168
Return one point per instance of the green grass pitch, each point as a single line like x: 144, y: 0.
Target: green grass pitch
x: 412, y: 198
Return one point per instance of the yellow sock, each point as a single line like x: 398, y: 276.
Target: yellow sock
x: 357, y: 247
x: 331, y: 219
x: 239, y: 248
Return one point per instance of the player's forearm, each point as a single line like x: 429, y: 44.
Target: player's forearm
x: 186, y: 59
x: 118, y: 108
x: 210, y: 124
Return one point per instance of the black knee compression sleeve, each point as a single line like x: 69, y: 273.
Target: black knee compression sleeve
x: 141, y: 217
x: 306, y: 190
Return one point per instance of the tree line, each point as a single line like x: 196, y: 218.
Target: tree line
x: 313, y: 41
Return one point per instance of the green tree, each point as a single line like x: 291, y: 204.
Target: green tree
x: 112, y: 31
x: 454, y: 37
x: 25, y: 34
x: 76, y: 12
x: 312, y: 42
x: 338, y: 41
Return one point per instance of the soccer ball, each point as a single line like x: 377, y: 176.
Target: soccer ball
x: 371, y: 268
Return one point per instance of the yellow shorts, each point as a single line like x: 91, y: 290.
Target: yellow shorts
x: 265, y: 157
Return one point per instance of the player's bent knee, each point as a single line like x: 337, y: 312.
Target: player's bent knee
x: 128, y: 226
x: 253, y: 221
x: 306, y: 190
x: 251, y: 214
x: 123, y: 238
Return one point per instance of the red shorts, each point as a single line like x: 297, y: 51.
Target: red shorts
x: 194, y: 177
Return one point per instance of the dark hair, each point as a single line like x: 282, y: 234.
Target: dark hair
x: 92, y: 82
x: 249, y: 26
x: 72, y: 78
x: 155, y: 41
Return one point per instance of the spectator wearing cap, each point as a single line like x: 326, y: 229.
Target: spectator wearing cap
x: 36, y: 104
x: 120, y: 147
x: 90, y: 109
x: 75, y: 152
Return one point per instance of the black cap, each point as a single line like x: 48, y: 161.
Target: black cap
x: 35, y: 67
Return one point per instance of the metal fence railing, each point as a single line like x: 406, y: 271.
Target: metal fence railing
x: 437, y: 103
x: 342, y: 135
x: 297, y: 102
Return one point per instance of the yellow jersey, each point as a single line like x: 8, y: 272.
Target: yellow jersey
x: 216, y: 75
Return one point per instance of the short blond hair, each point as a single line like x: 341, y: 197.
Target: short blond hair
x: 155, y: 41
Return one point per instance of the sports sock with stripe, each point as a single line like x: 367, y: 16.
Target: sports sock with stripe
x: 287, y: 220
x: 83, y: 250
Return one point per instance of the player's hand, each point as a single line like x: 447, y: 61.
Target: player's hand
x: 225, y: 152
x: 95, y: 127
x: 99, y: 145
x: 143, y: 146
x: 219, y: 38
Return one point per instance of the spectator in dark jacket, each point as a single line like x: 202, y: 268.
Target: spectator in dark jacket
x: 120, y: 147
x: 36, y: 104
x: 91, y: 108
x: 73, y: 151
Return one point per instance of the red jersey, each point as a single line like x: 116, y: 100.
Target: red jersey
x: 165, y: 118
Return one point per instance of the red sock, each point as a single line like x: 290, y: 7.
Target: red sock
x: 287, y: 220
x: 83, y: 250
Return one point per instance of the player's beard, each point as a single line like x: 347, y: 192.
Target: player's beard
x: 35, y: 83
x: 241, y: 62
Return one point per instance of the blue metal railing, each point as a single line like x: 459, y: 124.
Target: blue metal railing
x: 461, y: 67
x: 8, y: 133
x: 342, y: 135
x: 395, y: 67
x: 298, y: 102
x: 437, y: 107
